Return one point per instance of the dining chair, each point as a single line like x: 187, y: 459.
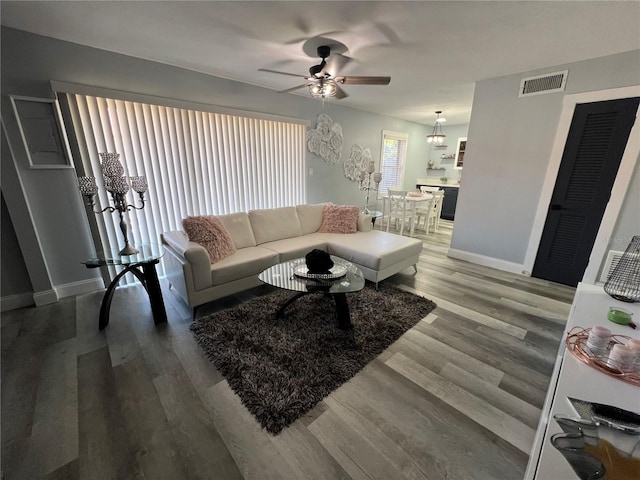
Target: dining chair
x: 423, y: 210
x: 439, y: 210
x: 398, y: 209
x: 385, y: 199
x: 430, y: 211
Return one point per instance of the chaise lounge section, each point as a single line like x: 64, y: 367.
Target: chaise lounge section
x: 263, y: 238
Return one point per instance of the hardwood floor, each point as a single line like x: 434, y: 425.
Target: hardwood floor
x: 457, y: 397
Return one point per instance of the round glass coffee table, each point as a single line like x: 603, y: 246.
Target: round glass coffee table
x: 292, y: 275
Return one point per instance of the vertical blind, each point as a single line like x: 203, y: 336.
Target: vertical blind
x: 196, y: 163
x: 393, y: 155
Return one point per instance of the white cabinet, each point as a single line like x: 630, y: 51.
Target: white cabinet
x: 571, y: 378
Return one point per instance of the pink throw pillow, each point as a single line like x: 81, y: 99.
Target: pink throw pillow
x: 210, y: 232
x: 339, y: 219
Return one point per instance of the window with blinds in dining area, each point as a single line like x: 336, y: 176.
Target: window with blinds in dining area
x: 392, y: 160
x: 196, y: 162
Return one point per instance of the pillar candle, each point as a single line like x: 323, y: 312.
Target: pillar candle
x: 621, y: 357
x: 598, y: 340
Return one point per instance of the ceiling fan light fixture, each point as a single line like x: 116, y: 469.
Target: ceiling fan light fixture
x: 437, y: 137
x: 324, y: 81
x: 323, y: 89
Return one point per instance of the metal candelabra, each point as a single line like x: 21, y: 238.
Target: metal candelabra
x: 117, y: 185
x: 365, y: 182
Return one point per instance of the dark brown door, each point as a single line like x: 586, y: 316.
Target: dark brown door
x: 597, y: 138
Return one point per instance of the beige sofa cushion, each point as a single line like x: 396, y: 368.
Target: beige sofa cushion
x: 297, y: 247
x: 239, y: 228
x: 274, y: 224
x: 310, y: 217
x: 375, y: 250
x: 244, y: 263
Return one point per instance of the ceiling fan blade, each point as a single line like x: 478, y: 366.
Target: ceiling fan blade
x: 340, y: 93
x: 294, y: 88
x: 351, y: 80
x: 335, y: 63
x: 281, y: 73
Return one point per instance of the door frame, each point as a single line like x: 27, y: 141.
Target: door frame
x: 619, y: 189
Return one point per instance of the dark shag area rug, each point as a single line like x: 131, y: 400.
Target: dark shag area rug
x: 281, y: 369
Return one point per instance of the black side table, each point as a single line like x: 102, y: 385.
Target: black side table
x: 143, y: 266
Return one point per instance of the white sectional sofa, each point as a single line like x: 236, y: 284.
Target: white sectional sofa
x: 266, y: 237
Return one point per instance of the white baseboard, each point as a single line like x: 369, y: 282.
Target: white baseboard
x: 45, y: 297
x: 78, y: 288
x: 11, y: 302
x: 487, y: 261
x: 19, y: 300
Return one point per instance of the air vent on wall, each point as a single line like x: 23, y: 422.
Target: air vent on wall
x: 547, y: 83
x: 610, y: 264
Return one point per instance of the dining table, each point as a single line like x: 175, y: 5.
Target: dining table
x: 413, y: 199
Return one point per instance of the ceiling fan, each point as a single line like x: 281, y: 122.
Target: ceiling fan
x: 323, y: 79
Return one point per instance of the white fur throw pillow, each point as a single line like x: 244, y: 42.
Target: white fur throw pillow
x: 209, y: 231
x: 339, y: 219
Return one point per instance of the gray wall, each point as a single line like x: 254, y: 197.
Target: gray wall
x: 363, y: 129
x: 14, y: 278
x: 15, y: 199
x: 508, y: 148
x: 628, y: 223
x: 59, y: 225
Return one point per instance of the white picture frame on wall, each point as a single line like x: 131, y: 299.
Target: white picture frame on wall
x: 41, y: 128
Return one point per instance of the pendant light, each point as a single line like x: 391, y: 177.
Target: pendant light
x: 437, y: 137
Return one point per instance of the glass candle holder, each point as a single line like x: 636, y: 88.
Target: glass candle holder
x: 371, y: 167
x: 87, y: 186
x: 139, y: 184
x: 119, y: 185
x: 634, y: 345
x: 619, y: 315
x: 111, y: 166
x: 621, y: 357
x: 598, y: 341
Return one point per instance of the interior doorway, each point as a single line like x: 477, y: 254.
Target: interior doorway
x: 593, y: 151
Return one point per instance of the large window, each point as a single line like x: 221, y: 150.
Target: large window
x: 393, y: 157
x: 196, y: 163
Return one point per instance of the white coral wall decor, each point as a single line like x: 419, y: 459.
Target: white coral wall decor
x: 326, y: 139
x: 358, y: 161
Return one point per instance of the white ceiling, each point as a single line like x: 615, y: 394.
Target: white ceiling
x: 434, y: 51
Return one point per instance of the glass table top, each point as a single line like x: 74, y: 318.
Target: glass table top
x: 149, y: 252
x: 283, y: 276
